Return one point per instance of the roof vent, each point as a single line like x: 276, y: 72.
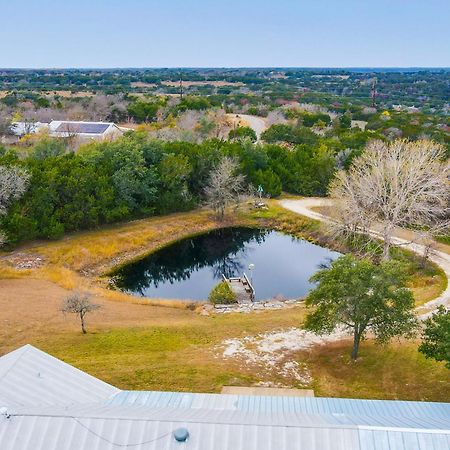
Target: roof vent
x: 181, y: 434
x: 4, y: 412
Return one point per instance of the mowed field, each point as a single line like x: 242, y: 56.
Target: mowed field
x: 134, y: 344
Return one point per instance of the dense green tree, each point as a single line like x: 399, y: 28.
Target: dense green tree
x: 242, y: 133
x: 174, y: 172
x: 345, y: 121
x: 269, y: 181
x: 289, y: 134
x: 194, y: 103
x: 436, y: 336
x: 361, y: 297
x: 48, y: 147
x: 222, y: 294
x: 142, y: 111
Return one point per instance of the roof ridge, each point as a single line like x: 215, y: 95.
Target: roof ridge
x: 20, y: 352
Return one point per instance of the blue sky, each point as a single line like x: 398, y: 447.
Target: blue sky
x: 226, y: 33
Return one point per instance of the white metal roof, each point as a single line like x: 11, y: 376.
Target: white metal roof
x: 30, y: 377
x: 219, y: 431
x: 67, y: 127
x: 71, y: 410
x: 403, y: 410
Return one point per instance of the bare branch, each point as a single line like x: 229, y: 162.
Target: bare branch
x: 392, y: 184
x: 79, y: 303
x: 224, y: 187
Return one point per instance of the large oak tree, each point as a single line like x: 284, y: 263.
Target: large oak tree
x: 363, y: 298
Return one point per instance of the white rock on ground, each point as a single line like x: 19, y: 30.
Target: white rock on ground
x: 273, y: 350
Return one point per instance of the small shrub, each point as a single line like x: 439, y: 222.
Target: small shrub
x: 222, y: 294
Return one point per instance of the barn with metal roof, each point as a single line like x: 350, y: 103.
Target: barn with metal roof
x: 46, y: 404
x: 85, y: 131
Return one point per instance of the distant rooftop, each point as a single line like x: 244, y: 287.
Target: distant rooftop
x: 46, y: 404
x: 82, y: 127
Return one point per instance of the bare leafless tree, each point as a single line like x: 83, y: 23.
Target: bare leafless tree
x: 440, y: 226
x: 46, y: 115
x: 224, y: 186
x: 76, y: 111
x: 13, y: 184
x: 188, y: 120
x: 79, y: 303
x: 275, y: 117
x: 393, y: 184
x: 28, y: 118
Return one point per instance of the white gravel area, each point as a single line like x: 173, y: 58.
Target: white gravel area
x: 272, y: 351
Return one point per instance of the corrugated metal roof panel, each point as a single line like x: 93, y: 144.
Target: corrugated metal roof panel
x: 393, y: 440
x: 31, y: 377
x: 17, y: 433
x: 96, y: 433
x: 82, y: 127
x: 405, y: 413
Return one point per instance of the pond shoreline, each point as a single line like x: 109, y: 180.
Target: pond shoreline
x: 192, y: 267
x: 83, y: 260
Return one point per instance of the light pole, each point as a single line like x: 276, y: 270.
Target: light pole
x: 250, y: 269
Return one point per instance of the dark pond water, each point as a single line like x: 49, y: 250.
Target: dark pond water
x: 189, y: 269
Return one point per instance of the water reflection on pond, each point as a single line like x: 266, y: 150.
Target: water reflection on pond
x: 189, y: 269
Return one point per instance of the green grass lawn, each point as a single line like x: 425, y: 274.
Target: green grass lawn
x: 394, y: 371
x: 185, y: 358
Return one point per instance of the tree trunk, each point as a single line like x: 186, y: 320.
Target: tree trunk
x: 221, y: 213
x: 83, y: 326
x: 356, y: 341
x: 425, y: 255
x: 386, y: 244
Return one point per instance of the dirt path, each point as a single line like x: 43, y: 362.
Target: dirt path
x: 258, y: 124
x: 441, y: 258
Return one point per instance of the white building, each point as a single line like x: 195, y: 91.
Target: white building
x: 85, y: 131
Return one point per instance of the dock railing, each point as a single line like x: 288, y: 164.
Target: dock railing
x: 245, y: 282
x: 252, y: 289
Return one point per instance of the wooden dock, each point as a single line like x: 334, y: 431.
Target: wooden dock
x: 241, y: 286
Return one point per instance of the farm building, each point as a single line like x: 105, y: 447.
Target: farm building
x: 46, y: 404
x: 85, y: 131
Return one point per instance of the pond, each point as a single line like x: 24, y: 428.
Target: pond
x: 190, y: 268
